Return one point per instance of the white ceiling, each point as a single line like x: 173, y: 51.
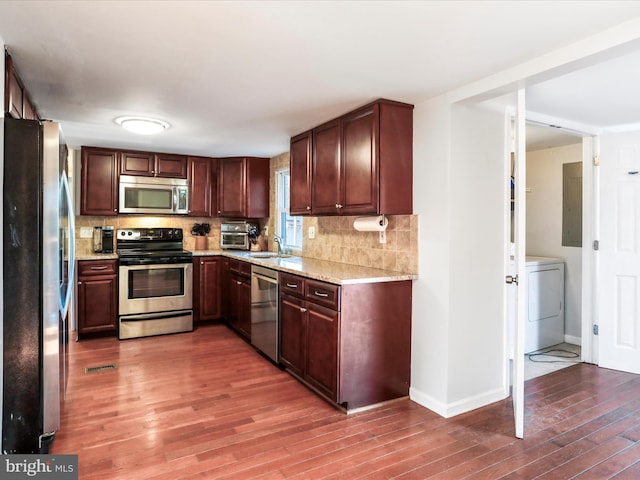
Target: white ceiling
x: 242, y: 77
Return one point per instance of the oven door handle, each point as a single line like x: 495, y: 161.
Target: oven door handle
x: 155, y: 316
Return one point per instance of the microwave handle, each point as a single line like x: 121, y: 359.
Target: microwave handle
x: 175, y: 199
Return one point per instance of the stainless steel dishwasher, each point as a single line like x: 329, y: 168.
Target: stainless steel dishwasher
x: 264, y: 311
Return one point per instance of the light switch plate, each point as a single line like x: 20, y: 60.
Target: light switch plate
x: 312, y: 232
x: 86, y: 232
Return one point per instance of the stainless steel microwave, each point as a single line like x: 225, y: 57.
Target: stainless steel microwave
x: 154, y: 195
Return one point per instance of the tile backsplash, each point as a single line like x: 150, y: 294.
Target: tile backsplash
x: 335, y: 238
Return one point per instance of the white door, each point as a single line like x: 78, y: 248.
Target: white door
x: 619, y: 252
x: 517, y: 285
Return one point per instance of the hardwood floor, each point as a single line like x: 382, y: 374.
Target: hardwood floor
x: 206, y: 405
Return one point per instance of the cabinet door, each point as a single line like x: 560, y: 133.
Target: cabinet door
x: 244, y: 304
x: 325, y: 188
x: 200, y: 186
x: 300, y: 174
x: 209, y: 288
x: 239, y: 314
x: 292, y: 318
x: 97, y: 304
x: 28, y: 110
x: 99, y: 182
x: 232, y: 183
x: 141, y: 164
x: 13, y: 91
x: 321, y: 369
x: 359, y: 189
x: 170, y: 166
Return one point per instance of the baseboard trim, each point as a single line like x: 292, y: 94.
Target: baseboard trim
x: 461, y: 406
x: 573, y: 340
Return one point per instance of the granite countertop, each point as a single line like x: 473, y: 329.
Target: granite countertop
x: 332, y: 272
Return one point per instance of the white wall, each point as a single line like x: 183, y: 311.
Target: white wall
x: 458, y: 348
x: 544, y: 225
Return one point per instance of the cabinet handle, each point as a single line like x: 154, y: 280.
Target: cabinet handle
x: 320, y: 294
x: 292, y: 285
x: 238, y: 282
x: 201, y: 263
x: 79, y: 283
x: 102, y: 267
x: 338, y: 205
x: 302, y: 309
x: 308, y: 207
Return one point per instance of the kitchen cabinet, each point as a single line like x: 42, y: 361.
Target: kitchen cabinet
x: 207, y: 291
x: 349, y: 343
x: 239, y: 297
x: 148, y: 164
x: 97, y: 296
x: 243, y: 187
x: 17, y: 102
x: 309, y: 331
x: 99, y: 181
x: 300, y: 174
x: 361, y: 162
x: 202, y: 187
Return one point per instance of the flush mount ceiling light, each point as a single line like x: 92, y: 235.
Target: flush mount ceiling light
x: 142, y: 125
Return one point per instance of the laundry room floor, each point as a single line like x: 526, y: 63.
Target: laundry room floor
x: 550, y: 359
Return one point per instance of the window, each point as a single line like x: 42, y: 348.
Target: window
x: 288, y: 228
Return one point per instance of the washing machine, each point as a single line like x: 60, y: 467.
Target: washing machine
x: 544, y: 302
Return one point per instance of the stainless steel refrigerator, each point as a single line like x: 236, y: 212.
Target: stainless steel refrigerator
x: 37, y: 278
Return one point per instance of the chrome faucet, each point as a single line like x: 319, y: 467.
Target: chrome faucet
x: 278, y: 240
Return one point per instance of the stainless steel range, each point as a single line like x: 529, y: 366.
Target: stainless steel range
x: 155, y: 282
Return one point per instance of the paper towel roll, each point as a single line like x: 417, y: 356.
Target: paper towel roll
x: 371, y: 224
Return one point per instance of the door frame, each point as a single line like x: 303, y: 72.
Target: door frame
x: 590, y: 226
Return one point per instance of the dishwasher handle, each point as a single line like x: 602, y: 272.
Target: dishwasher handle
x: 265, y: 278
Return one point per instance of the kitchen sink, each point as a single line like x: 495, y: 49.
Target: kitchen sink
x: 269, y: 255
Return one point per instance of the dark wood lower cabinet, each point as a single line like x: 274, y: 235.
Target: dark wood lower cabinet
x: 238, y: 293
x: 97, y: 296
x: 207, y: 288
x: 350, y: 343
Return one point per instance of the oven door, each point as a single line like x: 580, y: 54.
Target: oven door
x: 155, y: 288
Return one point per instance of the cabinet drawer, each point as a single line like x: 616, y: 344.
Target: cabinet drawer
x: 323, y: 294
x: 97, y: 267
x: 292, y: 284
x: 240, y: 267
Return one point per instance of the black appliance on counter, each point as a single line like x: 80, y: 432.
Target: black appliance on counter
x: 38, y: 264
x: 103, y: 239
x: 155, y: 278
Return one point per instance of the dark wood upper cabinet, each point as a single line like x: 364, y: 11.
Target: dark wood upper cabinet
x: 170, y: 165
x: 243, y: 187
x: 300, y: 174
x: 99, y: 181
x: 362, y: 163
x: 141, y: 164
x: 325, y: 188
x: 201, y: 171
x: 148, y: 164
x: 17, y: 102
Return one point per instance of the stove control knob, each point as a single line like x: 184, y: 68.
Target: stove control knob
x: 129, y: 233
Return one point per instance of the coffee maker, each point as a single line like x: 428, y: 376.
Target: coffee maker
x: 103, y: 239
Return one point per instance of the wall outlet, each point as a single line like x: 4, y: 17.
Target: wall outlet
x: 266, y: 230
x: 312, y: 232
x: 86, y: 232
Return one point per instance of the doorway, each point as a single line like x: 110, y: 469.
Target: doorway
x: 554, y: 249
